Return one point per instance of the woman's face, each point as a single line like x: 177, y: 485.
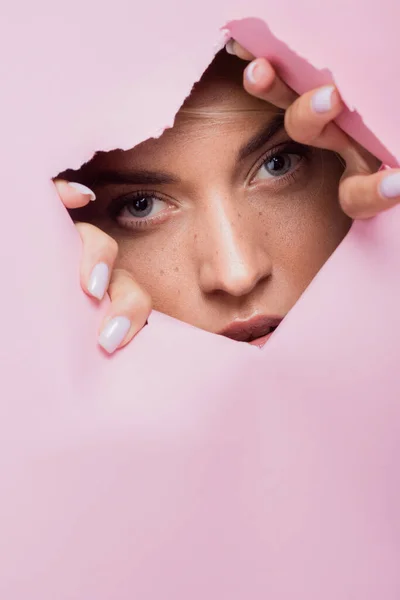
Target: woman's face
x: 223, y: 218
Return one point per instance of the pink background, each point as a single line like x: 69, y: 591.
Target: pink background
x: 189, y: 466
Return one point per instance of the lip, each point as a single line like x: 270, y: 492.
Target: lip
x: 255, y: 331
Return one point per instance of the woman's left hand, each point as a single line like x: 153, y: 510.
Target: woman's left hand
x: 364, y: 191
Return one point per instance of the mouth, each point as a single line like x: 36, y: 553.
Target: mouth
x: 255, y: 331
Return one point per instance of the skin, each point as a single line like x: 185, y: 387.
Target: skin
x: 227, y: 243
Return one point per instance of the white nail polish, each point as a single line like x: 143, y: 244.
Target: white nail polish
x: 114, y: 333
x: 250, y: 72
x: 322, y: 99
x: 83, y: 189
x: 98, y: 281
x: 389, y: 187
x: 229, y: 47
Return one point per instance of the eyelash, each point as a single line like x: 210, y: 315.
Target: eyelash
x: 285, y: 148
x: 120, y: 203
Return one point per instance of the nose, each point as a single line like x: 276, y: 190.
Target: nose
x: 232, y: 252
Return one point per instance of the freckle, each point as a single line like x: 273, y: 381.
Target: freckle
x: 260, y: 214
x: 179, y: 291
x: 162, y: 272
x: 239, y: 215
x: 195, y: 236
x: 266, y: 234
x: 176, y: 269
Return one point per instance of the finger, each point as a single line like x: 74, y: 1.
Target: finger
x: 261, y: 81
x: 233, y: 47
x: 364, y: 196
x: 98, y: 256
x: 309, y: 119
x: 129, y: 310
x: 73, y: 195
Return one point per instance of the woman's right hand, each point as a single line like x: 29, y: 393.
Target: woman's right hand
x: 130, y: 305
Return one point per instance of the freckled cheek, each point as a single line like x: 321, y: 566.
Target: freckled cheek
x: 303, y: 230
x: 162, y: 268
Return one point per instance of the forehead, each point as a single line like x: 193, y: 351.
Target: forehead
x: 218, y: 110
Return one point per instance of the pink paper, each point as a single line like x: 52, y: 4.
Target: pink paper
x: 189, y: 466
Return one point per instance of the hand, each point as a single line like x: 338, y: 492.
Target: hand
x: 363, y: 191
x: 130, y: 305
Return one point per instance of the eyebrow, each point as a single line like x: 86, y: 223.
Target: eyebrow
x: 262, y: 137
x: 142, y: 177
x: 145, y: 177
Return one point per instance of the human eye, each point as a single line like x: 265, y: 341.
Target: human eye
x: 139, y: 209
x: 280, y: 162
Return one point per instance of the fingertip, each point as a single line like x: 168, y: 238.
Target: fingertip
x: 98, y: 281
x: 389, y: 186
x: 230, y: 47
x: 326, y: 99
x: 114, y: 333
x: 233, y: 47
x: 250, y: 72
x: 82, y: 189
x: 364, y: 196
x: 74, y: 195
x: 259, y: 75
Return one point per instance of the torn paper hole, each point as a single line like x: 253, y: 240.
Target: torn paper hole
x: 158, y: 199
x: 188, y: 466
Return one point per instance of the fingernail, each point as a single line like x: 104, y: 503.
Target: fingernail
x: 229, y: 47
x: 251, y: 74
x: 389, y: 187
x: 113, y: 333
x: 98, y: 281
x: 79, y: 187
x: 322, y: 99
